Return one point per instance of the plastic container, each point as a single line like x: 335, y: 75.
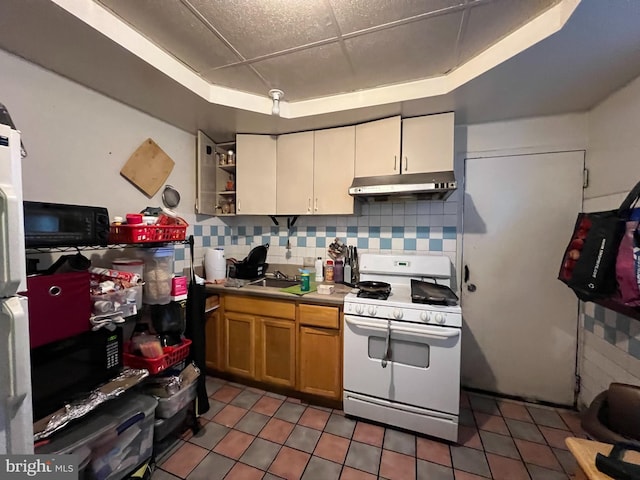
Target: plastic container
x: 319, y: 277
x: 126, y: 301
x: 146, y: 233
x: 162, y: 427
x: 328, y: 272
x: 115, y: 440
x: 170, y: 406
x: 338, y: 271
x: 133, y: 265
x: 158, y: 268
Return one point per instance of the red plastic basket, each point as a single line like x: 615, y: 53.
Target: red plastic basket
x: 146, y: 233
x: 172, y: 355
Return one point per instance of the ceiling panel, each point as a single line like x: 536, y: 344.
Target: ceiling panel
x: 360, y: 14
x: 309, y: 73
x: 490, y: 22
x: 171, y: 25
x: 239, y: 77
x: 268, y: 26
x: 409, y: 52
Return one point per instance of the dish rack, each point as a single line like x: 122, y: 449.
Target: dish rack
x: 159, y: 232
x: 171, y: 356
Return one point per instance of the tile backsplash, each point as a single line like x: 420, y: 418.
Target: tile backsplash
x: 386, y: 227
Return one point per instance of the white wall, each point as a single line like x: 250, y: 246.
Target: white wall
x: 610, y: 341
x: 78, y: 140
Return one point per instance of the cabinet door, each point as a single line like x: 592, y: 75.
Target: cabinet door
x: 427, y: 143
x: 378, y: 148
x: 277, y: 357
x: 294, y: 184
x: 333, y: 170
x: 205, y: 175
x: 214, y: 340
x: 320, y: 365
x: 255, y: 174
x: 239, y: 344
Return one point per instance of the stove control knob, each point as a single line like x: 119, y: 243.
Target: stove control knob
x: 397, y: 313
x: 359, y: 309
x: 425, y: 317
x: 372, y: 310
x: 439, y: 317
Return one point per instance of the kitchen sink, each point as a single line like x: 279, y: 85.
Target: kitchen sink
x: 275, y: 282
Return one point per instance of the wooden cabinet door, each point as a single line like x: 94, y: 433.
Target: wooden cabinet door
x: 277, y: 357
x: 214, y: 340
x: 239, y: 344
x: 255, y: 174
x: 294, y: 177
x: 378, y: 148
x: 333, y: 170
x: 320, y: 362
x: 427, y: 143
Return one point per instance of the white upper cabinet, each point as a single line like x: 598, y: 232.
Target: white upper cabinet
x: 378, y: 147
x: 255, y: 174
x: 427, y: 143
x: 294, y: 173
x: 333, y: 169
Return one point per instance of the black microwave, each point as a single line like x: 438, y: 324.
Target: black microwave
x: 62, y: 225
x: 68, y: 370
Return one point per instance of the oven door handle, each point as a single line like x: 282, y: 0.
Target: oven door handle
x: 413, y: 331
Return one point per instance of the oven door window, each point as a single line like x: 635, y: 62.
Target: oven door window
x: 402, y: 352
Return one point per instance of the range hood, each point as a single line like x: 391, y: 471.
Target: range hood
x: 422, y: 186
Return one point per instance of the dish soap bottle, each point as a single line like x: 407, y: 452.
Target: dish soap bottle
x: 305, y: 286
x: 319, y: 277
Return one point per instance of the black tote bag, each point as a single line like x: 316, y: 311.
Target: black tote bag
x: 589, y: 262
x: 195, y: 331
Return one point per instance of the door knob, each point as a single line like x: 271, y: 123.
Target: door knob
x: 471, y: 287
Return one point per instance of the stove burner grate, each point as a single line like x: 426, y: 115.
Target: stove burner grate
x: 373, y: 295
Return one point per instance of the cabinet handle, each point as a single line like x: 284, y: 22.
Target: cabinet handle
x: 395, y: 162
x: 316, y: 208
x: 406, y: 164
x: 309, y: 206
x: 238, y: 204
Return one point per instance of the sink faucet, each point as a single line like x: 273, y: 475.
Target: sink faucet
x: 279, y: 274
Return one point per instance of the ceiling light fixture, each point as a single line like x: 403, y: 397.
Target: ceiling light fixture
x: 276, y: 95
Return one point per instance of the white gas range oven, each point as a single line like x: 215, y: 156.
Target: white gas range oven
x: 402, y: 358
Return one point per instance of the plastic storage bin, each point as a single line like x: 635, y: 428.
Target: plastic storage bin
x: 119, y: 436
x: 172, y: 355
x: 170, y: 406
x: 162, y: 427
x: 119, y: 300
x: 158, y: 272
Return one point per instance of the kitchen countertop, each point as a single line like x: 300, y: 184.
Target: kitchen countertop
x: 336, y: 298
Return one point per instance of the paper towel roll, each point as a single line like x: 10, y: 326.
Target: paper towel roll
x: 215, y: 266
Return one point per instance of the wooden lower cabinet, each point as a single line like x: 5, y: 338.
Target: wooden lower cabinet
x: 279, y: 343
x: 240, y: 344
x: 277, y: 359
x: 320, y: 363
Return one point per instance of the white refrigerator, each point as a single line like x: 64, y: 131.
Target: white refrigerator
x: 16, y: 418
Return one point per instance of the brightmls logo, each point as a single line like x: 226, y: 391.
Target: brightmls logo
x: 52, y: 467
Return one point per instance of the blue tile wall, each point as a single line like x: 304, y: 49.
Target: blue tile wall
x: 615, y: 328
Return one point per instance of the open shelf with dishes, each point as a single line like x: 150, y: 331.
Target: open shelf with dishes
x: 225, y: 158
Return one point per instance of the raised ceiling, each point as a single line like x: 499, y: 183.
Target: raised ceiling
x: 594, y: 53
x: 317, y: 48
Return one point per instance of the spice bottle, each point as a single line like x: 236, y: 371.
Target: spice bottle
x: 328, y: 271
x: 338, y: 271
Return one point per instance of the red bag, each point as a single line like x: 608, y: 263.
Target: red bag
x: 627, y: 270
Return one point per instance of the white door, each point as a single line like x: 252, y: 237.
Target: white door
x: 520, y: 322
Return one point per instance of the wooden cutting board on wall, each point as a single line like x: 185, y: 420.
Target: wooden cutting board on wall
x: 148, y: 168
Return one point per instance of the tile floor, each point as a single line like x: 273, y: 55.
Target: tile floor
x: 252, y: 434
